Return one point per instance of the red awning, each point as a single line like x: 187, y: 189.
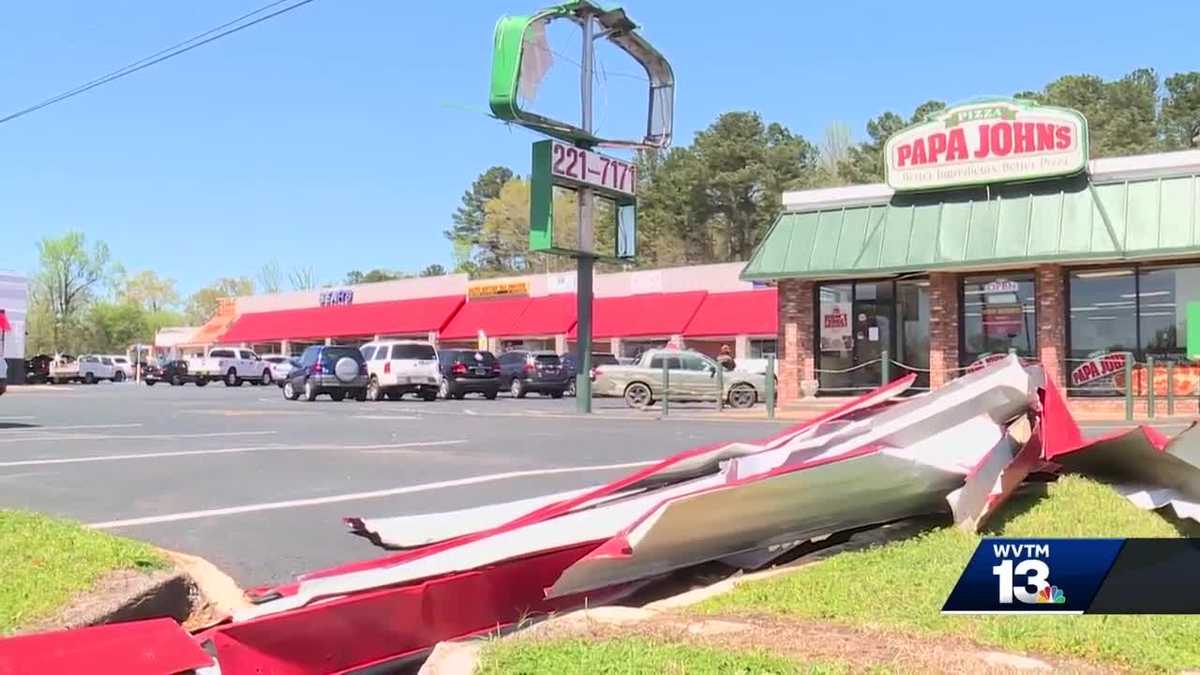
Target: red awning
x: 513, y: 317
x: 648, y: 315
x: 494, y: 316
x: 5, y: 326
x: 739, y: 313
x: 547, y: 315
x: 395, y: 317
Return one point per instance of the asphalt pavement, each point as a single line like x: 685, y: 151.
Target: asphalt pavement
x: 259, y: 485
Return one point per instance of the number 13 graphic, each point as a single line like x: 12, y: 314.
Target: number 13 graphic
x: 1036, y: 574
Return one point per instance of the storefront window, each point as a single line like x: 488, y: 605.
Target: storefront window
x: 1103, y: 325
x: 835, y: 336
x: 760, y: 349
x: 999, y: 316
x: 1163, y: 297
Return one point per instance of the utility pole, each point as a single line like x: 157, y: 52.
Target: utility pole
x: 586, y: 264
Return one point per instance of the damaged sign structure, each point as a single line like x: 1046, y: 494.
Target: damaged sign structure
x: 961, y: 450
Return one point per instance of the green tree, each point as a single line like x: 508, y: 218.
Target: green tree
x: 113, y: 326
x: 67, y: 282
x: 202, y: 305
x: 373, y: 276
x: 1179, y: 121
x: 150, y: 291
x: 717, y: 196
x: 1121, y: 115
x: 466, y: 234
x: 433, y: 270
x: 864, y: 162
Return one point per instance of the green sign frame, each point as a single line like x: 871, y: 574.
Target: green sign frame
x: 541, y: 212
x: 508, y: 50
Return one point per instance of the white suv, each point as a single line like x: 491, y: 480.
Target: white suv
x: 399, y: 367
x: 122, y: 368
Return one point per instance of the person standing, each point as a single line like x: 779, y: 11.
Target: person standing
x: 726, y: 358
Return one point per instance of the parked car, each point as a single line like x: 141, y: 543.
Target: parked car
x: 3, y: 376
x: 522, y: 372
x: 466, y: 371
x: 122, y: 368
x: 693, y: 378
x: 570, y: 363
x: 37, y: 368
x: 281, y: 366
x: 173, y: 372
x: 337, y: 370
x: 233, y: 366
x: 88, y: 368
x: 399, y: 367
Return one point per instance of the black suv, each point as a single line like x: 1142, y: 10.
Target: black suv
x: 337, y: 370
x: 468, y: 370
x: 524, y: 371
x: 570, y: 364
x: 173, y: 372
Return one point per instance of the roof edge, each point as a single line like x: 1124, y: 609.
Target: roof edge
x: 1099, y: 170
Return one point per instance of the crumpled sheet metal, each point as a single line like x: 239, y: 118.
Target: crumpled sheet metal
x: 902, y: 462
x: 585, y: 518
x: 150, y: 647
x: 1150, y: 469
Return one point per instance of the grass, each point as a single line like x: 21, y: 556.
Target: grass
x: 628, y: 656
x: 45, y: 561
x: 904, y: 584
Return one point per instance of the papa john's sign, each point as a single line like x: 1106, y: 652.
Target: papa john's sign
x: 992, y: 141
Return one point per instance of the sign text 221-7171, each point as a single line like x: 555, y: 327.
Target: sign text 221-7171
x: 593, y: 169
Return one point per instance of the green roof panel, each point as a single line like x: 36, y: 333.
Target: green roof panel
x: 1177, y: 230
x: 1063, y: 220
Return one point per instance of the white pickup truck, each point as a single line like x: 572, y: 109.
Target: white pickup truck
x: 231, y: 365
x: 88, y: 368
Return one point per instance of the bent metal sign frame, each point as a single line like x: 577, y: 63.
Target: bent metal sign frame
x: 990, y: 141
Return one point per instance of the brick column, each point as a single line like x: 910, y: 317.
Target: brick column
x: 1051, y: 321
x: 943, y: 327
x: 796, y: 335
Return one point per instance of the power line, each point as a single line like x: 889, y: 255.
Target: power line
x: 199, y: 40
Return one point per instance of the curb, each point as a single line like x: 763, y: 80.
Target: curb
x: 194, y: 592
x: 125, y: 595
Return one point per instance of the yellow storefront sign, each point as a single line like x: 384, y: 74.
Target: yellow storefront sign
x: 495, y: 289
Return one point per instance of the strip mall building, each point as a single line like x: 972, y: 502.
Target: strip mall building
x: 993, y: 234
x: 700, y: 307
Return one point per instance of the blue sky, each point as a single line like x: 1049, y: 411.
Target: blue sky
x: 365, y: 117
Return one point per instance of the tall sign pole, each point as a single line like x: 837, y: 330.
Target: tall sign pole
x: 567, y: 160
x: 586, y: 262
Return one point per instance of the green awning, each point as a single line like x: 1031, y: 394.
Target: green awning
x: 1062, y: 220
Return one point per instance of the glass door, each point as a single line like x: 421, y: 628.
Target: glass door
x: 873, y: 306
x: 858, y: 321
x: 912, y: 322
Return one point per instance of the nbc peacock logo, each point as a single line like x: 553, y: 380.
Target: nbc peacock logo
x: 1051, y: 595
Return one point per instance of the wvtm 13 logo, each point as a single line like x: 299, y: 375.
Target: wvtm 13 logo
x: 1032, y: 575
x: 1033, y: 572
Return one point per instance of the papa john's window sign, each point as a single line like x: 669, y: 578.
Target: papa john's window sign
x: 991, y: 141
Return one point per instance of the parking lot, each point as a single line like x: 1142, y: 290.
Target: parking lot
x: 258, y: 485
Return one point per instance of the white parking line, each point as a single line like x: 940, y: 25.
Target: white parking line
x: 219, y: 451
x: 386, y: 417
x: 333, y: 499
x: 28, y: 438
x: 73, y: 426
